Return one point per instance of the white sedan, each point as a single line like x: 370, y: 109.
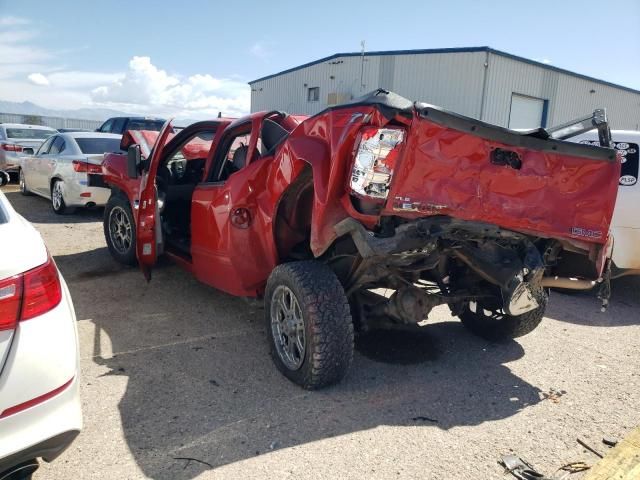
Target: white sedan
x: 58, y: 169
x: 40, y: 411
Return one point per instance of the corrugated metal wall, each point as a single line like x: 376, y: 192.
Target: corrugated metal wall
x: 53, y: 122
x: 569, y: 96
x: 450, y: 81
x: 288, y: 92
x: 454, y: 81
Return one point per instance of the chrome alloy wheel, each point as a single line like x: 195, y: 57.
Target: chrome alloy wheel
x: 287, y: 327
x: 120, y: 230
x: 57, y: 195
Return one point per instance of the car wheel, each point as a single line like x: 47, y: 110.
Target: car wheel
x: 57, y: 199
x: 119, y: 230
x: 489, y: 321
x: 23, y: 184
x: 309, y: 324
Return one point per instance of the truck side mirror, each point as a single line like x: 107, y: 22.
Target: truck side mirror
x: 133, y: 161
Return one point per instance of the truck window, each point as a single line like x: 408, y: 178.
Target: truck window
x: 118, y: 125
x: 235, y: 155
x: 153, y: 125
x: 106, y: 126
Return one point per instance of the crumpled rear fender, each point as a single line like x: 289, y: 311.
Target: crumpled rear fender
x: 326, y: 143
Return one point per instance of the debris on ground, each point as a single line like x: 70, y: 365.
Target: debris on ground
x: 553, y: 395
x: 588, y: 447
x: 521, y: 469
x: 575, y: 467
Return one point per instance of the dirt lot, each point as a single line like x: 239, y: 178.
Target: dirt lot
x: 173, y: 370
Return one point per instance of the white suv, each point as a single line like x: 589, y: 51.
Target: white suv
x: 39, y: 363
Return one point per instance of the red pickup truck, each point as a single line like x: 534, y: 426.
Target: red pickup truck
x: 318, y: 214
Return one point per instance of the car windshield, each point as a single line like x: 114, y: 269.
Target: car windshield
x: 39, y: 134
x: 154, y: 125
x: 98, y: 145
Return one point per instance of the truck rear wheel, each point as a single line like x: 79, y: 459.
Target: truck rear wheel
x: 119, y: 230
x: 308, y: 324
x: 489, y: 321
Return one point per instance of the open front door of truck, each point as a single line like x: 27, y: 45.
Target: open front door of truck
x: 148, y: 228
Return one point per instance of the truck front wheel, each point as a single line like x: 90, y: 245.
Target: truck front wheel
x: 308, y: 324
x: 119, y: 230
x: 488, y: 320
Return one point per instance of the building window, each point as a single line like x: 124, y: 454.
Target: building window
x: 313, y: 94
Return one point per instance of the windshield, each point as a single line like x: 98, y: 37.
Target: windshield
x: 29, y: 133
x: 98, y: 145
x: 154, y: 125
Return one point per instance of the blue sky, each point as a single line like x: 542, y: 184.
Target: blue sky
x: 194, y: 57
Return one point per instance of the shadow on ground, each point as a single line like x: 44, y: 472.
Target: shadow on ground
x: 622, y: 309
x: 40, y: 210
x: 202, y: 392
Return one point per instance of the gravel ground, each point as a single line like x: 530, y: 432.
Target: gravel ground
x: 174, y: 370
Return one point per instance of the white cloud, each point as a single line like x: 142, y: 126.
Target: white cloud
x: 142, y: 88
x: 543, y: 60
x: 38, y: 79
x: 145, y: 87
x: 9, y: 21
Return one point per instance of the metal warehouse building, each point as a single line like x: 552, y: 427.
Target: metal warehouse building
x: 479, y: 82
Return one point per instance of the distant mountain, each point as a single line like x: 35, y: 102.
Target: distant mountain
x: 99, y: 114
x: 29, y: 108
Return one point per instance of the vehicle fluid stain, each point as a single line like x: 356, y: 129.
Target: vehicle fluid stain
x: 398, y: 346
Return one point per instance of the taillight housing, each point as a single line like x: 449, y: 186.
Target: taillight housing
x: 374, y: 161
x: 29, y: 294
x: 86, y: 167
x: 10, y: 147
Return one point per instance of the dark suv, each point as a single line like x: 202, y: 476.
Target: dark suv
x: 122, y: 124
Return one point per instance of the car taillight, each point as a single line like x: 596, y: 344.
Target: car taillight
x: 10, y: 147
x: 10, y: 301
x: 86, y: 167
x: 375, y: 160
x: 29, y: 294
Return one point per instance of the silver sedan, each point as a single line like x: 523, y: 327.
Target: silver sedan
x: 58, y: 169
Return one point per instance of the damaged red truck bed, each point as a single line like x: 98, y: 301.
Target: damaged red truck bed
x: 316, y: 214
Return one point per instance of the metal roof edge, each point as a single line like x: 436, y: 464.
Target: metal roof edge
x: 560, y: 70
x: 373, y: 54
x: 450, y: 50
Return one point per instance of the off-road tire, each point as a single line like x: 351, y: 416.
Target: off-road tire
x: 63, y: 209
x: 23, y: 184
x: 128, y: 257
x: 506, y: 326
x: 327, y: 323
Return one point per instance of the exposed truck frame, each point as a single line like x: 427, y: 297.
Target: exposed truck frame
x: 316, y: 214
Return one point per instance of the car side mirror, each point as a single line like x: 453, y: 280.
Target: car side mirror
x: 4, y: 178
x: 134, y: 158
x: 27, y: 151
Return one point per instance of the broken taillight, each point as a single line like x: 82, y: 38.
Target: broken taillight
x: 29, y: 294
x: 375, y: 160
